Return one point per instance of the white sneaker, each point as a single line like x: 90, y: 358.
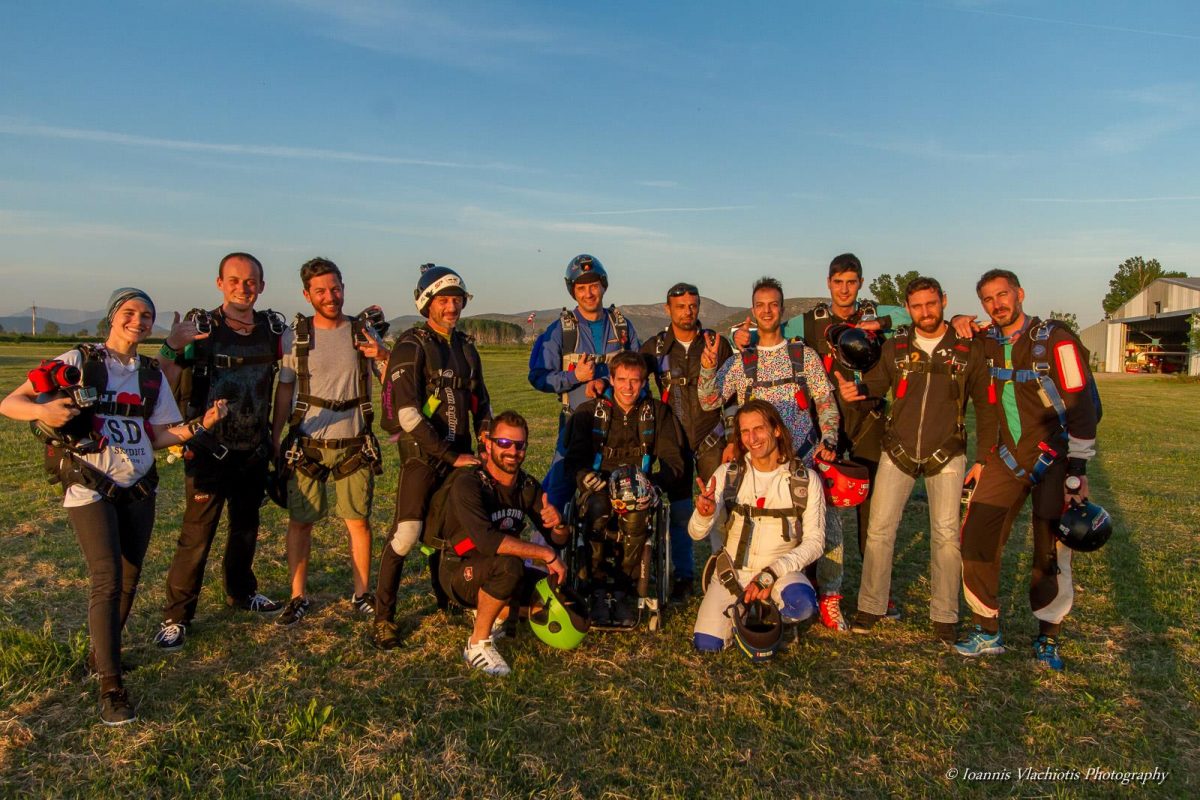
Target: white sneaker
x: 483, y: 655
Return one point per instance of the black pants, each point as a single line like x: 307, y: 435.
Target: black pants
x: 240, y: 482
x: 616, y: 543
x: 861, y: 438
x: 418, y: 480
x: 505, y: 578
x: 998, y: 499
x: 113, y: 538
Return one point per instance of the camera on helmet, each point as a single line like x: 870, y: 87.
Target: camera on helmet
x: 63, y: 379
x: 54, y: 380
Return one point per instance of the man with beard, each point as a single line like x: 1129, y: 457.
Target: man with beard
x: 571, y: 356
x: 234, y: 358
x: 432, y: 390
x: 789, y: 375
x: 483, y: 564
x: 624, y: 427
x: 1046, y: 409
x: 674, y: 358
x: 324, y: 395
x: 931, y: 371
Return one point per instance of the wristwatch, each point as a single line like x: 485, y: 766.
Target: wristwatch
x: 766, y: 579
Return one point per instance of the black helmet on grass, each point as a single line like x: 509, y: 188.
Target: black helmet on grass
x: 757, y: 628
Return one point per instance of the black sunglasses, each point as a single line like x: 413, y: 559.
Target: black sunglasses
x: 680, y: 289
x: 504, y: 444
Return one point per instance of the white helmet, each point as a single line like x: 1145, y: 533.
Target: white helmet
x: 437, y: 280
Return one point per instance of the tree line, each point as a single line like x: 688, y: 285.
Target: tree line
x: 1132, y: 276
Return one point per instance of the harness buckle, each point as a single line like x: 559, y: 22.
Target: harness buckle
x: 301, y: 407
x: 223, y: 360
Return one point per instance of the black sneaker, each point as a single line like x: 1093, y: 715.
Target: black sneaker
x: 681, y: 590
x: 864, y: 621
x: 256, y: 602
x: 293, y: 612
x: 363, y: 603
x: 170, y: 635
x: 623, y: 613
x: 600, y: 612
x: 115, y: 708
x: 385, y: 635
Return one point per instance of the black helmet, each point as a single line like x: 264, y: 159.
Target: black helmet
x: 1084, y: 527
x: 437, y: 280
x: 757, y: 628
x: 854, y: 348
x: 584, y: 268
x: 277, y: 483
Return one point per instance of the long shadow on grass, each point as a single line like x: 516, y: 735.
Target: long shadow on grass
x: 1153, y: 664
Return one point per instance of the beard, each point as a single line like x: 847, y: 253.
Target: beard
x: 929, y: 324
x: 507, y: 466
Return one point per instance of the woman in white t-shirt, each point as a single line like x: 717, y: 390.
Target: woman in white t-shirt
x: 110, y: 499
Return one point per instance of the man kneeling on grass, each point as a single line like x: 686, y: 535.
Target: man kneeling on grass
x: 772, y: 510
x: 483, y: 557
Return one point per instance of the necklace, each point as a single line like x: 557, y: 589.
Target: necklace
x: 760, y: 500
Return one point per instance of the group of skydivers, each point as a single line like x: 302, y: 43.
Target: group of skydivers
x: 754, y: 444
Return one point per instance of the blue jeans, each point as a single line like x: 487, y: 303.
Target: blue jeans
x: 681, y: 544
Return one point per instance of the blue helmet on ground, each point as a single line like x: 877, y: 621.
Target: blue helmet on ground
x: 585, y: 269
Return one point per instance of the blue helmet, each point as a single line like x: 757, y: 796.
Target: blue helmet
x: 585, y: 268
x: 1084, y: 527
x: 437, y: 280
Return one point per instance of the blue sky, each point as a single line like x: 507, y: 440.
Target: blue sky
x: 713, y: 142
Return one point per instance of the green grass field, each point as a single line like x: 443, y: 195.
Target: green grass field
x: 250, y: 710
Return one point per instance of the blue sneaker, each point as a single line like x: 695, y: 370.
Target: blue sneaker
x: 978, y: 642
x: 1045, y: 650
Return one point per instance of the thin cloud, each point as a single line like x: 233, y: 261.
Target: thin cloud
x: 659, y: 184
x: 475, y: 37
x: 1183, y: 198
x: 17, y: 128
x: 677, y: 210
x: 967, y: 9
x: 1162, y: 110
x: 928, y: 148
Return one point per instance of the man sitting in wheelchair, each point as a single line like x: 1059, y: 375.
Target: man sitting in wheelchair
x: 772, y: 511
x: 612, y: 443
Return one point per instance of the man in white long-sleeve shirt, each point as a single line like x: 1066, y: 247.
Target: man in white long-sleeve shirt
x: 772, y: 510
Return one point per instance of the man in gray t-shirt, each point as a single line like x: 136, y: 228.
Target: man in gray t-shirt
x: 330, y: 438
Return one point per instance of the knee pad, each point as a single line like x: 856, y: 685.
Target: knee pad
x: 507, y: 573
x: 799, y: 602
x: 707, y: 643
x: 406, y: 534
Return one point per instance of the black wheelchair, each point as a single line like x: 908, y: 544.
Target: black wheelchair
x: 625, y: 565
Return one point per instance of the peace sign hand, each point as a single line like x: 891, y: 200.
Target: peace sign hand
x: 706, y: 502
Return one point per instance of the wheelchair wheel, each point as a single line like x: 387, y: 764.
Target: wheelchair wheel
x: 661, y: 536
x: 573, y: 553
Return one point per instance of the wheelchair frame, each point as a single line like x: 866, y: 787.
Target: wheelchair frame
x: 576, y: 555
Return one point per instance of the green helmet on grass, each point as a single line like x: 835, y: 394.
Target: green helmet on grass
x: 555, y: 618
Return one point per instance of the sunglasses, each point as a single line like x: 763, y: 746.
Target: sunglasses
x: 680, y: 289
x: 504, y: 444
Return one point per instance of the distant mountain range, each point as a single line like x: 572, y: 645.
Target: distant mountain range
x: 647, y: 318
x: 69, y: 321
